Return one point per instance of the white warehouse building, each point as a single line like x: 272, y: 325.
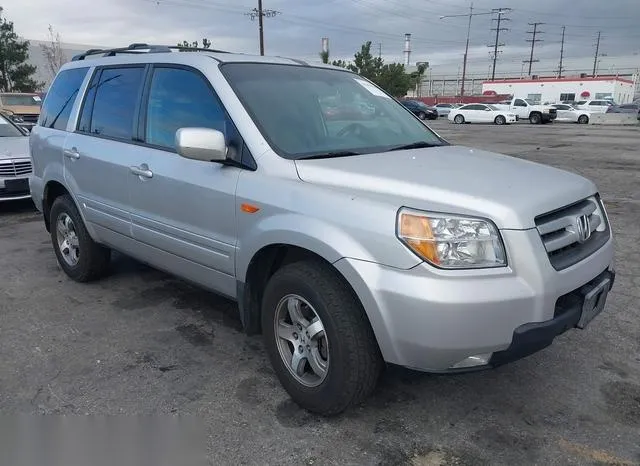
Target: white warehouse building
x: 549, y: 89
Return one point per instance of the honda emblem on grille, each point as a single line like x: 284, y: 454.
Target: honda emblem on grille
x: 583, y: 228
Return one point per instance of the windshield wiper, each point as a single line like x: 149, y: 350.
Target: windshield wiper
x: 414, y: 145
x: 328, y: 155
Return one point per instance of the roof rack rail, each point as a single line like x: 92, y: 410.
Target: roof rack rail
x: 142, y: 48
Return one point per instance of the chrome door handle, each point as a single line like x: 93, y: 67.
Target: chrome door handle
x: 141, y: 171
x: 72, y: 153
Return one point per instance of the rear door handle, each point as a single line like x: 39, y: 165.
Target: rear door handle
x: 142, y: 171
x: 71, y: 153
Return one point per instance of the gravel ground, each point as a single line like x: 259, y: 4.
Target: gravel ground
x: 142, y: 342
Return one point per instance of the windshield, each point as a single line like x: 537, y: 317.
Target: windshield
x: 304, y: 111
x: 7, y: 130
x: 21, y: 100
x: 531, y: 102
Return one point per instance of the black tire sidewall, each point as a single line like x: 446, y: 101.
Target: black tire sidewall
x: 535, y: 119
x: 583, y: 119
x: 65, y: 204
x: 328, y: 397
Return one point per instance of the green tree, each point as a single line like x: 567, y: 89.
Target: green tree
x: 366, y: 64
x: 393, y: 79
x: 15, y: 74
x: 324, y: 56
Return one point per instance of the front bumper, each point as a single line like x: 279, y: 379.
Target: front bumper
x: 432, y: 320
x: 14, y: 189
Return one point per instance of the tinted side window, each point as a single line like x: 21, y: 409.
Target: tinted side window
x: 180, y: 98
x: 114, y: 105
x: 60, y: 98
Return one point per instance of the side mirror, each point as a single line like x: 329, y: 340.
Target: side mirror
x: 205, y: 144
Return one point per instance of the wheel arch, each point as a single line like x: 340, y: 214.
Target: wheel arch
x: 52, y: 190
x: 263, y: 264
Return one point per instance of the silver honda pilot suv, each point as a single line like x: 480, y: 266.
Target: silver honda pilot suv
x: 350, y: 234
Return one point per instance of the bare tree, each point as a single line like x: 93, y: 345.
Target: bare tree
x: 53, y: 53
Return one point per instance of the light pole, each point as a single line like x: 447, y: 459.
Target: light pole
x: 470, y: 15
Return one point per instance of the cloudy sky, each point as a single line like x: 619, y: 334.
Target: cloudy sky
x: 298, y: 27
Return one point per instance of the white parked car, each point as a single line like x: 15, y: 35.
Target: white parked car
x: 481, y: 113
x: 569, y: 113
x: 594, y: 106
x: 445, y: 109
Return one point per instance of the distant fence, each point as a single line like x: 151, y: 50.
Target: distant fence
x: 467, y: 99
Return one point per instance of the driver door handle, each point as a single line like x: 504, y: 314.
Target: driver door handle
x: 72, y: 153
x: 143, y: 171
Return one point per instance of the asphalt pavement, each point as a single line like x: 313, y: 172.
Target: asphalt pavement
x: 143, y: 342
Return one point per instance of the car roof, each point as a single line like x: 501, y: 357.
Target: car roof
x: 144, y: 53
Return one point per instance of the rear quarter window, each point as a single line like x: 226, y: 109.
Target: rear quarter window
x: 59, y: 101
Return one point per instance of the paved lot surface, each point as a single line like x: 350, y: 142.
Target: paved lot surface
x: 143, y: 342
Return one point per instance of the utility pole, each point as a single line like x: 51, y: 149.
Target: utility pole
x: 561, y: 53
x: 595, y: 58
x: 498, y: 12
x: 261, y: 13
x: 379, y: 49
x: 471, y: 14
x: 533, y: 41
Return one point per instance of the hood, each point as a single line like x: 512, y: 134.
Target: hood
x: 14, y: 147
x: 453, y: 179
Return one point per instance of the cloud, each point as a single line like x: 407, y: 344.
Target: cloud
x: 298, y: 27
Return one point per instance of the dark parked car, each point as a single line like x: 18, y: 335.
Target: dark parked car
x: 625, y: 108
x: 420, y: 109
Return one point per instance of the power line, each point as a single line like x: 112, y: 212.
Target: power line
x: 533, y: 41
x: 498, y: 12
x: 561, y: 53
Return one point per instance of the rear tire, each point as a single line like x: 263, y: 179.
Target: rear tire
x: 353, y: 361
x: 81, y: 258
x: 458, y: 119
x: 500, y: 120
x: 535, y: 118
x: 583, y: 119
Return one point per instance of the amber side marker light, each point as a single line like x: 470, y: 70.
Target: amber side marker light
x: 249, y: 208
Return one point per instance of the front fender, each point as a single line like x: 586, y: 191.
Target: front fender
x: 315, y: 235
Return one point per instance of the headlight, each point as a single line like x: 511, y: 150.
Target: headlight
x: 451, y: 241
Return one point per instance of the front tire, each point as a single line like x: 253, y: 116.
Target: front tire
x: 318, y: 338
x: 422, y: 116
x: 583, y: 119
x: 535, y: 119
x: 500, y: 120
x: 458, y: 119
x: 80, y: 257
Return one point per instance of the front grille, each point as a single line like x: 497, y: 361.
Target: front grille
x: 13, y: 168
x: 561, y: 231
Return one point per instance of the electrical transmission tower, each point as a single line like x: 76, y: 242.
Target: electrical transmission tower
x: 498, y: 12
x: 533, y: 41
x: 261, y: 13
